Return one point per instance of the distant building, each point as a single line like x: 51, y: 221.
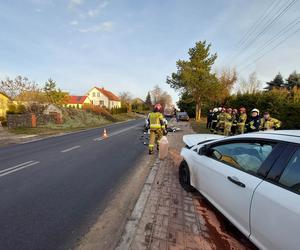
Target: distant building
x: 104, y: 98
x: 4, y: 102
x: 137, y: 101
x: 78, y: 101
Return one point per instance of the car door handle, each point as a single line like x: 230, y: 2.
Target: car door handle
x: 236, y: 182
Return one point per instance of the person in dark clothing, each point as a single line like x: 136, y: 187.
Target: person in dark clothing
x: 234, y: 121
x: 253, y: 122
x: 214, y: 120
x: 210, y: 114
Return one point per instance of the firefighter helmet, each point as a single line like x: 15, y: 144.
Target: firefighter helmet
x: 157, y: 107
x: 255, y: 110
x: 242, y: 110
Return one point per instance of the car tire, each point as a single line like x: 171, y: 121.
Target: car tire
x: 184, y: 177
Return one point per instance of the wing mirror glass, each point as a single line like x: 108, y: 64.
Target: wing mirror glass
x: 205, y: 150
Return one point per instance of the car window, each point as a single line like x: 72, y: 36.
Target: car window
x: 244, y: 156
x: 291, y: 175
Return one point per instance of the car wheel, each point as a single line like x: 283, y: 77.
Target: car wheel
x: 184, y: 177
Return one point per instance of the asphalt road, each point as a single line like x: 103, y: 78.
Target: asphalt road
x: 52, y: 190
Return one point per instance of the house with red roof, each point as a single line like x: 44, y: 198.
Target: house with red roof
x: 104, y: 98
x: 78, y: 101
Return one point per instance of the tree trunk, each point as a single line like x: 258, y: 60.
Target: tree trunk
x: 198, y: 109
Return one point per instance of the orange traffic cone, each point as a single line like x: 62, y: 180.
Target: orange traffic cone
x: 104, y: 134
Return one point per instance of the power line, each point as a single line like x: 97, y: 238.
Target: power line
x: 274, y: 47
x: 278, y: 16
x: 282, y: 32
x: 256, y: 25
x: 258, y: 22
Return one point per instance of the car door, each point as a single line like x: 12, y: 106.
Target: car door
x: 227, y: 176
x: 275, y: 210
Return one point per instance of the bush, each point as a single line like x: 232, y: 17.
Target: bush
x: 3, y: 121
x: 12, y: 109
x: 121, y: 110
x: 280, y: 103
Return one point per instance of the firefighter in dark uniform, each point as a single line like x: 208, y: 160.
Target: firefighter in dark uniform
x: 214, y: 120
x: 253, y: 124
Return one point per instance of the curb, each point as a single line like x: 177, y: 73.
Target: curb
x: 136, y: 215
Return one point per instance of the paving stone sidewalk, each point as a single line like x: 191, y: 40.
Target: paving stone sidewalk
x: 175, y: 219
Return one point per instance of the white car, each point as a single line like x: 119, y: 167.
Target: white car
x: 252, y: 179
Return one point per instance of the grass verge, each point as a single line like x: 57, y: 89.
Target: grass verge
x: 73, y: 124
x: 199, y: 127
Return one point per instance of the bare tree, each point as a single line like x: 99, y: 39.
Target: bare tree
x: 227, y: 79
x: 126, y: 99
x: 161, y: 97
x: 14, y: 87
x: 252, y: 85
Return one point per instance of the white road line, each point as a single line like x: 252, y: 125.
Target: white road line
x: 117, y: 132
x: 69, y: 149
x: 19, y: 168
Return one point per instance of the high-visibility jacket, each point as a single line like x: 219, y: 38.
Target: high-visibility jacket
x: 156, y: 120
x: 228, y: 118
x: 242, y: 119
x: 269, y: 124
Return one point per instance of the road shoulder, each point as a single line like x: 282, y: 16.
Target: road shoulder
x: 108, y: 228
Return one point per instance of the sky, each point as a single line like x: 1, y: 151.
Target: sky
x: 132, y: 45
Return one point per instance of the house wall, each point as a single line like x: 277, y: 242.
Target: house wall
x: 98, y: 99
x: 115, y: 104
x: 3, y: 105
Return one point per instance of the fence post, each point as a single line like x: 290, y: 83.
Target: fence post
x: 33, y: 120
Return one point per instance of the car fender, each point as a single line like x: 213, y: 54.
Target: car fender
x: 187, y: 156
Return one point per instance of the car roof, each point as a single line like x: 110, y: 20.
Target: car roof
x: 279, y: 135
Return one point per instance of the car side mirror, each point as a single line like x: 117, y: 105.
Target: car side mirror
x: 205, y: 150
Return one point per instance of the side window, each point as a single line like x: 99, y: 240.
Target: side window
x: 94, y: 94
x: 291, y: 175
x: 245, y: 156
x: 98, y: 94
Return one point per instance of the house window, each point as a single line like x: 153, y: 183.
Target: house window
x: 94, y: 94
x: 98, y: 94
x: 101, y: 103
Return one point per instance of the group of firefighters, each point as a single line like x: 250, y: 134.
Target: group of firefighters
x: 219, y: 120
x: 232, y: 121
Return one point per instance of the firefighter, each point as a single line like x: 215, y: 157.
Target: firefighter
x: 157, y: 127
x: 241, y: 121
x: 234, y: 121
x: 228, y: 122
x: 210, y: 114
x: 254, y: 121
x: 269, y: 123
x: 221, y: 121
x: 214, y: 120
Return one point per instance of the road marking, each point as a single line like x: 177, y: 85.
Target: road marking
x: 18, y: 168
x: 69, y: 149
x: 116, y: 133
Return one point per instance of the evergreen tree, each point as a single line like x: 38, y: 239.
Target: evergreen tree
x: 276, y: 83
x: 293, y: 80
x: 148, y: 100
x: 194, y: 76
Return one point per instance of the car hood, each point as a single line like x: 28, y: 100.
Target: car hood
x: 194, y: 139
